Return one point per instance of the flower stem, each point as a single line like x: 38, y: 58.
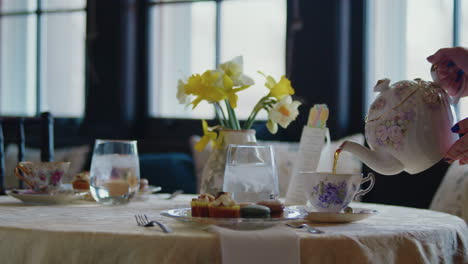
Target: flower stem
x: 220, y: 114
x: 248, y: 124
x: 232, y: 116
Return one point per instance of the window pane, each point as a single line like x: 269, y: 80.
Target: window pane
x: 63, y: 63
x: 402, y: 34
x: 17, y: 5
x: 182, y: 43
x: 255, y: 29
x: 18, y: 65
x: 463, y: 31
x: 63, y: 4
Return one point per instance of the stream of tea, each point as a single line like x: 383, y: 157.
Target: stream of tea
x: 336, y: 156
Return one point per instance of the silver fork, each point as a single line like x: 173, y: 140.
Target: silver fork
x: 312, y: 230
x: 142, y: 220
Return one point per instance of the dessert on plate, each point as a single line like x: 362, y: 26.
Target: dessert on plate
x: 223, y: 206
x: 276, y: 207
x: 200, y: 205
x: 81, y: 181
x: 255, y: 211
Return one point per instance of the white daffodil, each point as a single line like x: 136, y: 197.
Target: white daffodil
x: 234, y: 69
x: 283, y: 113
x: 272, y: 127
x: 182, y: 96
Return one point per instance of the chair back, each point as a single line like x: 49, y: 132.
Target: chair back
x: 12, y: 130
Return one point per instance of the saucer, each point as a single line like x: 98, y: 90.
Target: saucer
x: 340, y: 217
x: 32, y: 197
x: 142, y: 195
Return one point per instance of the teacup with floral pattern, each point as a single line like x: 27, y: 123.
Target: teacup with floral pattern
x: 328, y: 192
x: 42, y: 177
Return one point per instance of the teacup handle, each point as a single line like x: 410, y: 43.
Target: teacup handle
x: 20, y: 170
x: 370, y: 177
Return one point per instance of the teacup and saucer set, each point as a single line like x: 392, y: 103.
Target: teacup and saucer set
x: 330, y: 194
x: 44, y: 180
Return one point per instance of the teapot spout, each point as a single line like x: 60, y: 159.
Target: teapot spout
x: 381, y: 162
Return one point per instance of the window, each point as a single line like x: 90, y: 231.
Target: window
x: 42, y: 57
x: 401, y: 34
x: 192, y: 36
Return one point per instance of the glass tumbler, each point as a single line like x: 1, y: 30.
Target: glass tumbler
x: 115, y: 171
x: 250, y: 173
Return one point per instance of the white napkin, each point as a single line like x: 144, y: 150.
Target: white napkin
x: 272, y: 245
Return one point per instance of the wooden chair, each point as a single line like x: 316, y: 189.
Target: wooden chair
x: 12, y: 130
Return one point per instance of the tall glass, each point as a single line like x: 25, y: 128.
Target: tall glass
x: 115, y: 171
x: 250, y: 173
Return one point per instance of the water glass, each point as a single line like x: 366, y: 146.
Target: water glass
x: 250, y: 173
x: 115, y: 171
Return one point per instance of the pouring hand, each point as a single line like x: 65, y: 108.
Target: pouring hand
x: 452, y: 69
x: 459, y: 150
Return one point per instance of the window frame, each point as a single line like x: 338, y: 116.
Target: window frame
x: 38, y: 12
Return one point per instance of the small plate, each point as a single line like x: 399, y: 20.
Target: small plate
x: 340, y: 217
x: 59, y: 197
x: 143, y: 195
x: 151, y: 189
x: 291, y: 213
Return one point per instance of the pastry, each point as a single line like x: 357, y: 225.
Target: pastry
x: 200, y: 205
x: 255, y: 211
x: 144, y: 184
x: 81, y: 181
x: 224, y: 206
x: 276, y: 207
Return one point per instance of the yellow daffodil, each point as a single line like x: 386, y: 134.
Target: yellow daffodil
x: 283, y: 113
x: 212, y: 86
x: 208, y: 136
x: 235, y: 70
x: 278, y: 89
x: 182, y: 96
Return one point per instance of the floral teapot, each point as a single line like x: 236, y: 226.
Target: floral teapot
x: 407, y: 127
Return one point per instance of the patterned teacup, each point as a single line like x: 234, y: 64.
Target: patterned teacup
x: 42, y: 176
x: 328, y: 192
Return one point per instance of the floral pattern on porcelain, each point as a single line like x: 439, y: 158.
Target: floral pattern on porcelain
x: 332, y: 194
x: 391, y: 132
x: 379, y: 104
x: 433, y: 98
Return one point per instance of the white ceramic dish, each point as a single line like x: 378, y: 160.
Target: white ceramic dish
x: 291, y: 213
x: 340, y: 217
x: 59, y: 197
x: 143, y: 195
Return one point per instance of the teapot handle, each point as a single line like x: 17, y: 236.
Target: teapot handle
x: 436, y: 79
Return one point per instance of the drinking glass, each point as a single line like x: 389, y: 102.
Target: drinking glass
x: 250, y: 173
x: 115, y: 171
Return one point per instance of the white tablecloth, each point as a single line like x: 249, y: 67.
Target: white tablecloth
x: 91, y: 233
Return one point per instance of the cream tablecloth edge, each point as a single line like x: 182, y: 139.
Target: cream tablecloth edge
x: 90, y: 233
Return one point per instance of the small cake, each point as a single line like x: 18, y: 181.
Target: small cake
x: 81, y: 181
x: 276, y: 207
x: 224, y: 206
x: 255, y: 211
x: 144, y: 184
x: 200, y: 205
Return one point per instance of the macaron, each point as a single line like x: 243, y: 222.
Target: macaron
x: 255, y: 211
x: 276, y: 207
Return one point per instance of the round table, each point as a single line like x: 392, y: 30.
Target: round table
x: 91, y: 233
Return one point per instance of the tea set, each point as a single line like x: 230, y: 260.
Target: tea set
x: 44, y: 180
x: 408, y: 128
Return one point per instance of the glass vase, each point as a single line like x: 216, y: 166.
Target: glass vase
x: 213, y: 172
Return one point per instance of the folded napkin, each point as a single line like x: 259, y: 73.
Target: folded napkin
x: 272, y: 245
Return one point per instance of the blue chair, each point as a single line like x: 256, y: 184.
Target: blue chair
x: 171, y: 171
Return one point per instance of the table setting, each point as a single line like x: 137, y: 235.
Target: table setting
x: 111, y: 215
